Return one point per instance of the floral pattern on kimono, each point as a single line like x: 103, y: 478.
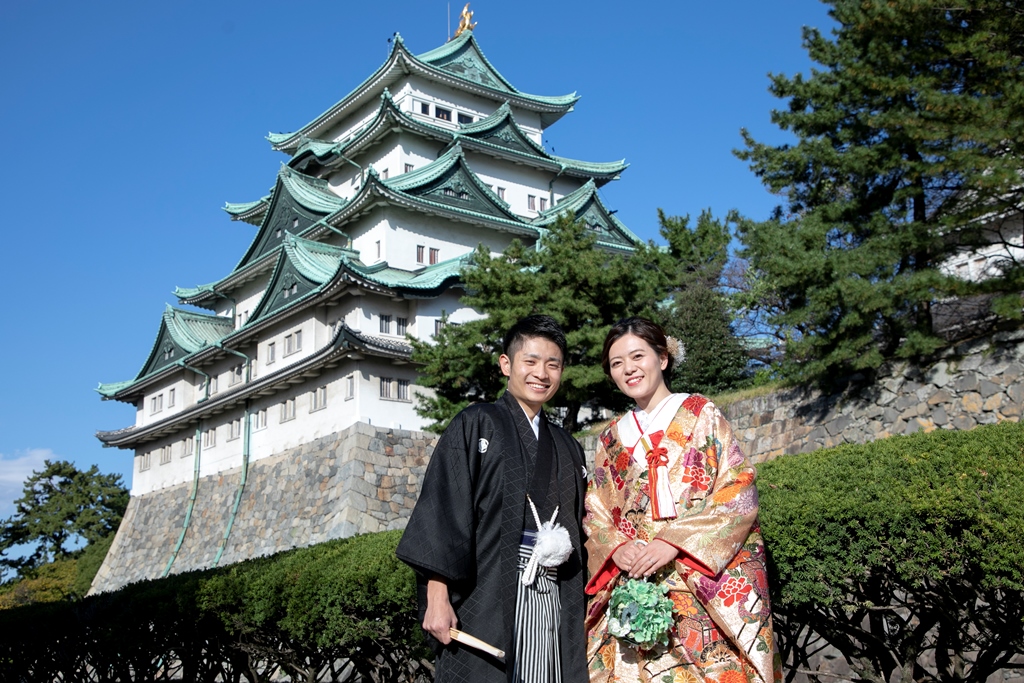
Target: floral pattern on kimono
x: 722, y: 630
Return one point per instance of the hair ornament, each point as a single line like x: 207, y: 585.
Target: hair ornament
x: 676, y: 350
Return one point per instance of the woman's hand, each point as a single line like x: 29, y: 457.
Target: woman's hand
x: 624, y: 556
x: 649, y: 558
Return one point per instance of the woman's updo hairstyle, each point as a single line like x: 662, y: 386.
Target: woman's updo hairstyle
x: 649, y: 331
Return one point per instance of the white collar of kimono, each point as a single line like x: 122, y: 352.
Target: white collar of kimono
x: 631, y: 428
x: 534, y: 421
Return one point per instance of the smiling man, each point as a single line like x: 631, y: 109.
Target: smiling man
x: 498, y: 472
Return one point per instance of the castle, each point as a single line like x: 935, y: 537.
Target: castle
x: 295, y: 365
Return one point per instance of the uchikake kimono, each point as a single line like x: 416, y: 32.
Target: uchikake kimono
x: 722, y: 628
x: 467, y: 527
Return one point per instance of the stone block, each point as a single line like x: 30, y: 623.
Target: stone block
x: 939, y: 397
x: 1016, y: 392
x: 885, y: 397
x: 1009, y: 410
x: 987, y: 388
x: 890, y: 415
x: 967, y: 381
x: 992, y: 403
x: 837, y: 425
x: 905, y: 401
x: 964, y: 422
x: 1010, y: 374
x: 938, y: 374
x: 971, y: 402
x: 938, y: 416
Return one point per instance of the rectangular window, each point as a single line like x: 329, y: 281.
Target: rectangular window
x: 144, y: 462
x: 156, y: 403
x: 288, y: 410
x: 435, y: 255
x: 384, y: 174
x: 385, y: 324
x: 408, y: 168
x: 259, y: 419
x: 403, y: 390
x: 210, y: 437
x: 385, y: 387
x: 271, y: 353
x: 350, y: 387
x: 438, y: 326
x: 170, y: 398
x: 234, y: 429
x: 465, y: 118
x: 403, y: 326
x: 318, y: 399
x: 421, y: 253
x: 531, y: 202
x: 501, y: 193
x: 443, y: 114
x: 213, y: 385
x: 378, y: 249
x: 252, y: 362
x: 236, y: 374
x: 543, y: 204
x: 425, y: 108
x: 186, y: 446
x: 293, y: 342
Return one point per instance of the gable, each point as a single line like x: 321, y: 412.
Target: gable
x: 286, y: 286
x: 285, y: 215
x: 456, y: 188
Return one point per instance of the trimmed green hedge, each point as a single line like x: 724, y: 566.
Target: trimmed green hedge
x: 899, y: 550
x: 316, y: 614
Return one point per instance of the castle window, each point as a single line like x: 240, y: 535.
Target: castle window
x: 170, y: 398
x: 165, y: 454
x: 144, y: 462
x: 421, y: 253
x: 271, y: 353
x: 350, y: 387
x: 443, y: 114
x: 186, y: 446
x: 259, y: 419
x: 403, y: 326
x: 435, y: 256
x: 318, y: 399
x: 288, y: 410
x: 543, y: 204
x: 438, y: 326
x: 403, y: 390
x: 213, y: 385
x: 385, y: 387
x: 210, y: 437
x: 425, y: 108
x: 384, y: 174
x: 378, y: 249
x: 156, y: 404
x: 252, y: 362
x: 385, y: 324
x: 501, y: 193
x: 234, y: 429
x: 465, y: 118
x: 531, y: 202
x: 408, y: 168
x: 293, y: 342
x: 278, y: 233
x: 236, y: 374
x: 295, y: 222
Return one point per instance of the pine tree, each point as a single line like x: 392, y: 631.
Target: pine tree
x: 62, y: 507
x: 909, y: 150
x: 585, y: 288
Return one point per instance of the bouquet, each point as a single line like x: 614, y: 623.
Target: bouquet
x: 640, y: 613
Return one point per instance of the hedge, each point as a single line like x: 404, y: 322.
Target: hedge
x: 906, y: 554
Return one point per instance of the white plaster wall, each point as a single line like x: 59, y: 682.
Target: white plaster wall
x: 520, y: 182
x: 981, y: 264
x: 452, y: 239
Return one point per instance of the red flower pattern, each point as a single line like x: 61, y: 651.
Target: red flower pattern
x: 696, y: 476
x: 733, y: 590
x: 694, y: 403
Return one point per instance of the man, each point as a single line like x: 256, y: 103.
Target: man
x: 472, y: 531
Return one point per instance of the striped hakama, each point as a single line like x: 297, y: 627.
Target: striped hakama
x: 537, y: 656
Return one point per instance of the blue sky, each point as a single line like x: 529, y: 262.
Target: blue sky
x: 127, y: 125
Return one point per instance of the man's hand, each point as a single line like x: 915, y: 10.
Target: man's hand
x: 440, y: 616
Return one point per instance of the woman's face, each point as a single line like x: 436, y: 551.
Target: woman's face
x: 636, y: 368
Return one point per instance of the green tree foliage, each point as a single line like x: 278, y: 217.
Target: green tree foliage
x: 62, y: 507
x: 908, y: 150
x: 697, y: 312
x: 901, y: 552
x: 585, y: 288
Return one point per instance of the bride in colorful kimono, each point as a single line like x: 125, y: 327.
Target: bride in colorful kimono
x: 672, y: 501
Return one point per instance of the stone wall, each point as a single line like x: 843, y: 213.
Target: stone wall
x: 977, y: 382
x: 360, y: 480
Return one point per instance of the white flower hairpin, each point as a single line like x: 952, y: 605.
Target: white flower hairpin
x: 676, y: 350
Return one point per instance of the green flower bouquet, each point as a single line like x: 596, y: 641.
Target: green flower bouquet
x: 640, y: 613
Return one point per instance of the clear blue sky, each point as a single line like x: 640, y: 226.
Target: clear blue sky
x: 127, y: 125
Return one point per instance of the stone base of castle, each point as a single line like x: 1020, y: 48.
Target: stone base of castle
x: 359, y: 480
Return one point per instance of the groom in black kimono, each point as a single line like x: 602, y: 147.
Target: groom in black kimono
x: 472, y: 528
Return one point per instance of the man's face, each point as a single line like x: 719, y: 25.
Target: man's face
x: 534, y: 373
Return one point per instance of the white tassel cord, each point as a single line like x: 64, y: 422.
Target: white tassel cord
x: 552, y: 548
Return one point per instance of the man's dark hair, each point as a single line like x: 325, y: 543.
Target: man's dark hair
x: 543, y: 326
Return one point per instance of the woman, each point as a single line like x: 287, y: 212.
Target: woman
x: 672, y: 500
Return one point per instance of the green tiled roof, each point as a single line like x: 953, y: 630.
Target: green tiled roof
x: 250, y: 212
x: 181, y: 333
x: 585, y: 203
x: 460, y: 60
